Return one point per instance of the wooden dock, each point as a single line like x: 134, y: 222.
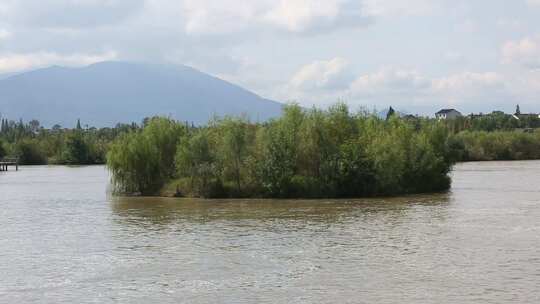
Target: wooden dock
x: 6, y: 162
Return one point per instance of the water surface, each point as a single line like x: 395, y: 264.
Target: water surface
x: 64, y: 240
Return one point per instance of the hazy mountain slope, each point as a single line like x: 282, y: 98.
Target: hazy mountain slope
x: 111, y: 92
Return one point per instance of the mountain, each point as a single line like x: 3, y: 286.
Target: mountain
x: 106, y: 93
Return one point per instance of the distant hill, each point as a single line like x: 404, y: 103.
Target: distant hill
x: 104, y: 94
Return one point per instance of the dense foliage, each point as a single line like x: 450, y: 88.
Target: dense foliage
x: 499, y: 145
x: 35, y: 145
x: 142, y: 161
x: 305, y: 153
x: 495, y: 136
x: 495, y: 121
x: 2, y: 149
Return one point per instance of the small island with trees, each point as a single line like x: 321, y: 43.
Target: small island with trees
x: 305, y: 153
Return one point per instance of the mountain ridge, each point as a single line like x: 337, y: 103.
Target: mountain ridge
x: 106, y: 93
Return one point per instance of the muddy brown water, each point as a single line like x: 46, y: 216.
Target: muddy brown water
x: 63, y: 239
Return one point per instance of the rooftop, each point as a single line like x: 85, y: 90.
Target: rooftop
x: 445, y: 111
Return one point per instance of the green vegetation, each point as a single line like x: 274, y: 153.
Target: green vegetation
x: 496, y: 121
x: 499, y: 145
x: 143, y: 160
x: 495, y: 136
x: 2, y: 149
x: 305, y: 153
x: 35, y: 145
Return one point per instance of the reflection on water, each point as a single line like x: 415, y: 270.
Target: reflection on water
x: 167, y: 210
x: 64, y: 240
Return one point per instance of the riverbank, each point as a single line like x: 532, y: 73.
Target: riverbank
x: 497, y: 145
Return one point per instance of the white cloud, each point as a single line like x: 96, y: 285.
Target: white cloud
x: 305, y: 15
x: 4, y: 34
x: 389, y: 81
x: 411, y: 87
x: 68, y: 13
x: 392, y: 8
x: 21, y: 62
x: 455, y: 57
x: 510, y: 23
x: 467, y: 88
x: 277, y: 35
x: 467, y: 26
x: 207, y: 16
x: 404, y: 88
x: 191, y: 16
x: 526, y: 84
x: 467, y: 81
x: 296, y: 16
x: 525, y: 52
x: 331, y: 74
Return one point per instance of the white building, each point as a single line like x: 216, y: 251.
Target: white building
x: 448, y: 114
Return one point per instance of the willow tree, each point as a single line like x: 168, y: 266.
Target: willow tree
x: 234, y: 144
x: 142, y: 161
x: 196, y: 160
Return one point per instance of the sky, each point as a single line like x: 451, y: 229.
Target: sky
x: 417, y: 55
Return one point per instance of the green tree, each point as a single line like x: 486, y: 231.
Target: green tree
x: 278, y: 164
x: 142, y: 161
x: 29, y: 152
x: 77, y: 150
x: 303, y: 153
x: 233, y: 149
x: 2, y: 149
x: 196, y: 161
x: 391, y: 112
x: 279, y: 161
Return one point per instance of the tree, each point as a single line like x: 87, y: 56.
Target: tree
x: 141, y: 161
x: 391, y: 112
x: 280, y: 159
x: 303, y: 153
x: 77, y: 150
x: 278, y: 164
x: 2, y: 149
x: 34, y: 126
x: 233, y: 148
x: 518, y: 110
x: 30, y: 153
x: 195, y: 161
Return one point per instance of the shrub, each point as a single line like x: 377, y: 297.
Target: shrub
x: 29, y: 153
x: 143, y: 161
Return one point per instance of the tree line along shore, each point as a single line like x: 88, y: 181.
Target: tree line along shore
x: 308, y: 153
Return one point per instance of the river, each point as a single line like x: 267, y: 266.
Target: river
x: 63, y: 239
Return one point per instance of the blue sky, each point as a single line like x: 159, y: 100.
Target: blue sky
x: 416, y: 55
